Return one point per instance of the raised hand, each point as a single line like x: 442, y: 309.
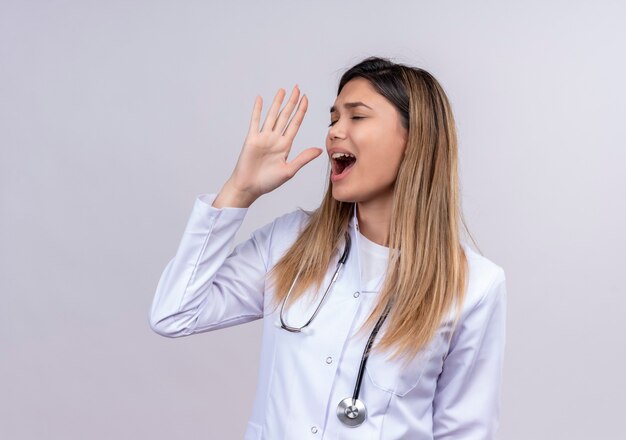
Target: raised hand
x: 262, y: 165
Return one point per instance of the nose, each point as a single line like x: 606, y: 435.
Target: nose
x: 336, y: 131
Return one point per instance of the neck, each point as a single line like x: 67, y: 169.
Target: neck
x: 374, y: 218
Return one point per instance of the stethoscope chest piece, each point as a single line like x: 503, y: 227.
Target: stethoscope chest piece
x: 351, y: 411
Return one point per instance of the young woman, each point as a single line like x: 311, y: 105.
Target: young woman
x: 379, y: 320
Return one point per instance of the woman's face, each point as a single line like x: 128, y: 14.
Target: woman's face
x: 368, y: 126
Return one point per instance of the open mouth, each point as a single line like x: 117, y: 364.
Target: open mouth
x: 342, y: 163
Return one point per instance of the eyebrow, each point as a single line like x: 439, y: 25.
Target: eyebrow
x: 333, y: 109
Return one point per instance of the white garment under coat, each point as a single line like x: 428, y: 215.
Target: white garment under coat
x: 449, y: 392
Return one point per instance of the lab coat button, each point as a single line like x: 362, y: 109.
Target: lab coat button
x: 356, y: 294
x: 314, y: 429
x: 329, y: 360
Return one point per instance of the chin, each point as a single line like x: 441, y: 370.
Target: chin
x: 342, y: 196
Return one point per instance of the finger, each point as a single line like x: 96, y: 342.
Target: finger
x: 270, y: 119
x: 294, y: 124
x: 256, y: 114
x: 302, y: 159
x: 284, y: 114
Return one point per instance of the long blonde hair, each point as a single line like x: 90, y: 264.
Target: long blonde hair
x: 430, y: 272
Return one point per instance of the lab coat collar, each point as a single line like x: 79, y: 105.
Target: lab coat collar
x: 354, y: 222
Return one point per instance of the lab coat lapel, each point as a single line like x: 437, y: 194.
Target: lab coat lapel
x: 347, y: 284
x: 355, y: 254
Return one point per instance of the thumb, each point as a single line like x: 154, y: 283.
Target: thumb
x: 303, y: 158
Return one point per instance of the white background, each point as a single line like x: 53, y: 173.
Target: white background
x: 115, y: 115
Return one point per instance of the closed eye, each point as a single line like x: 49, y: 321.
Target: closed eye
x: 354, y: 117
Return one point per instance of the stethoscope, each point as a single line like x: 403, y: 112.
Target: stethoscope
x: 351, y: 411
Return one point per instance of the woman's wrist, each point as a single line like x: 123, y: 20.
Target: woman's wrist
x: 231, y: 197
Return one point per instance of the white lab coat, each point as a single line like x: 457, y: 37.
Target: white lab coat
x: 446, y: 392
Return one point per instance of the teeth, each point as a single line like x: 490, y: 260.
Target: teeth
x: 338, y: 155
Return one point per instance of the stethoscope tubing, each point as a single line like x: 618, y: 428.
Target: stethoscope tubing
x: 340, y: 264
x: 366, y: 353
x: 350, y: 411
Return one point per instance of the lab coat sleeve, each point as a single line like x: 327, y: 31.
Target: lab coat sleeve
x: 467, y: 399
x: 205, y: 286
